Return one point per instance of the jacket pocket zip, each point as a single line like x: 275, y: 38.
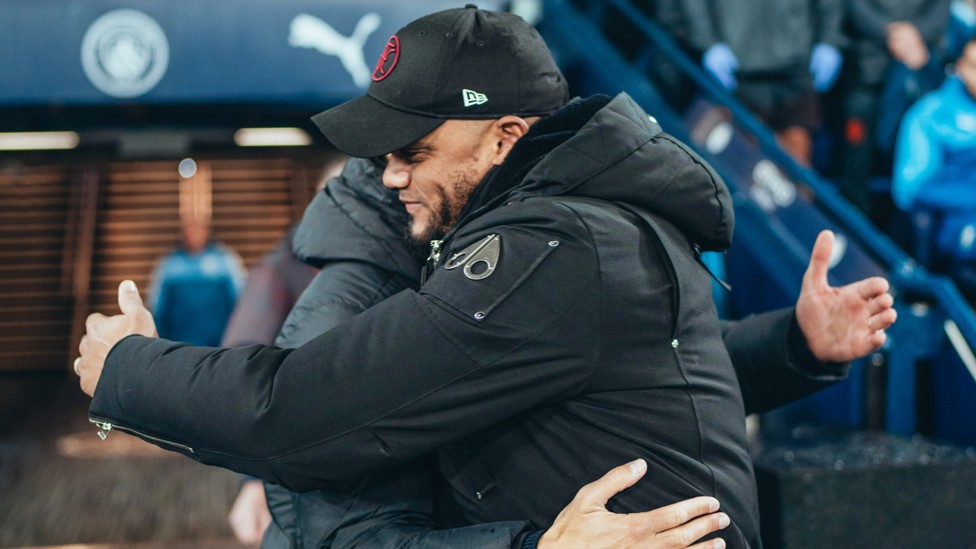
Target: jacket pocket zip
x: 106, y: 426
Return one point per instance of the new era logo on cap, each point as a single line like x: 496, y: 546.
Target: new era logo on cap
x: 472, y: 98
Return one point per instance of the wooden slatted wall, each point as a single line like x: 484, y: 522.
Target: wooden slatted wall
x: 139, y: 215
x: 252, y: 205
x: 137, y: 220
x: 35, y: 309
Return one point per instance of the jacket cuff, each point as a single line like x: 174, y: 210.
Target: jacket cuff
x: 531, y: 541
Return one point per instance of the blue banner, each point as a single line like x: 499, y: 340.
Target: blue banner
x: 103, y: 52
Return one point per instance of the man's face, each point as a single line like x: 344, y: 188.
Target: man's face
x: 966, y: 68
x: 195, y: 236
x: 437, y: 174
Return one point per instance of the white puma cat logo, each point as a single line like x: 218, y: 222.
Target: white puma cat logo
x: 311, y: 32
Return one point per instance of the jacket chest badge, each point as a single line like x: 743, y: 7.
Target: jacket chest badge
x: 479, y: 259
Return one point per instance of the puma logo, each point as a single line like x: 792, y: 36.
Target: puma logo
x: 311, y: 32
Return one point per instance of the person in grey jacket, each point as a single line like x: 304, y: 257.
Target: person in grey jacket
x: 565, y: 305
x: 775, y: 54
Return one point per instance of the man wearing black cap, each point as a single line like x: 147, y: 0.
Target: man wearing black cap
x: 566, y: 324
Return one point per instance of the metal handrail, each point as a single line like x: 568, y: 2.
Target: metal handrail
x: 903, y: 271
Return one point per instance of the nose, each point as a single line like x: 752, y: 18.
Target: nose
x: 396, y: 175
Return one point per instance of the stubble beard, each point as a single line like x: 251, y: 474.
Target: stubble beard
x: 446, y: 215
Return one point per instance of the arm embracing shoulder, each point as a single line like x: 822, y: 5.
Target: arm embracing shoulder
x: 410, y: 374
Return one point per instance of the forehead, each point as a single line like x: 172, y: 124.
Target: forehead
x: 452, y: 132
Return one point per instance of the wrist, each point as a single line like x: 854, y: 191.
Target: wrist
x: 802, y: 356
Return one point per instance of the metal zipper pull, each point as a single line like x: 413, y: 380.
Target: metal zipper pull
x: 701, y: 261
x: 103, y: 429
x: 432, y: 259
x: 435, y: 251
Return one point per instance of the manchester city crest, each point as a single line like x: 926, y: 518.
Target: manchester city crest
x: 125, y: 53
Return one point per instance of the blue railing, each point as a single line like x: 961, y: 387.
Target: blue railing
x: 781, y: 206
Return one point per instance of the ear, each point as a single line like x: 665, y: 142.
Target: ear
x: 508, y: 129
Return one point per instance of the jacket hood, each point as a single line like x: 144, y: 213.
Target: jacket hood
x: 355, y: 218
x: 610, y: 149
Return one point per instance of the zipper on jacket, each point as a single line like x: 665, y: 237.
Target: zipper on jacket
x: 432, y: 259
x: 701, y: 261
x: 105, y: 427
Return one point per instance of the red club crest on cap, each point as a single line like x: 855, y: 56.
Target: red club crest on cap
x: 388, y: 59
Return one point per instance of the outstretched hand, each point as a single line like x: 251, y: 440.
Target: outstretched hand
x: 586, y: 522
x: 103, y: 332
x: 845, y: 323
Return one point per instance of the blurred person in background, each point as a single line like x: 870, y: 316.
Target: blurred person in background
x: 776, y: 55
x: 894, y: 43
x: 962, y: 25
x: 194, y: 287
x: 935, y: 167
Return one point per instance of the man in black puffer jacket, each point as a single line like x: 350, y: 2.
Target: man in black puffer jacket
x: 352, y: 231
x: 566, y: 325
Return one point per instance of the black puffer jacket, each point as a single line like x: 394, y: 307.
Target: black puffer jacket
x: 354, y: 231
x: 592, y: 341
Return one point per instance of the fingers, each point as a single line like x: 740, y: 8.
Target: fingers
x: 881, y: 311
x: 883, y: 302
x: 681, y: 524
x: 687, y: 534
x: 880, y: 304
x: 871, y: 287
x: 616, y: 480
x: 82, y: 364
x: 816, y: 273
x: 883, y: 320
x: 710, y: 544
x: 675, y: 515
x: 93, y: 321
x: 84, y: 346
x: 129, y: 300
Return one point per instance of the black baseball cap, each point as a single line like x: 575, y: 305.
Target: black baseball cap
x: 462, y: 63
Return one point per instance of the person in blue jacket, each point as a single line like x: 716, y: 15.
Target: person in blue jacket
x: 195, y: 286
x: 935, y: 160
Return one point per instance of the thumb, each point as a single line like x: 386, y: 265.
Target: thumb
x: 816, y: 273
x: 615, y: 481
x: 129, y: 300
